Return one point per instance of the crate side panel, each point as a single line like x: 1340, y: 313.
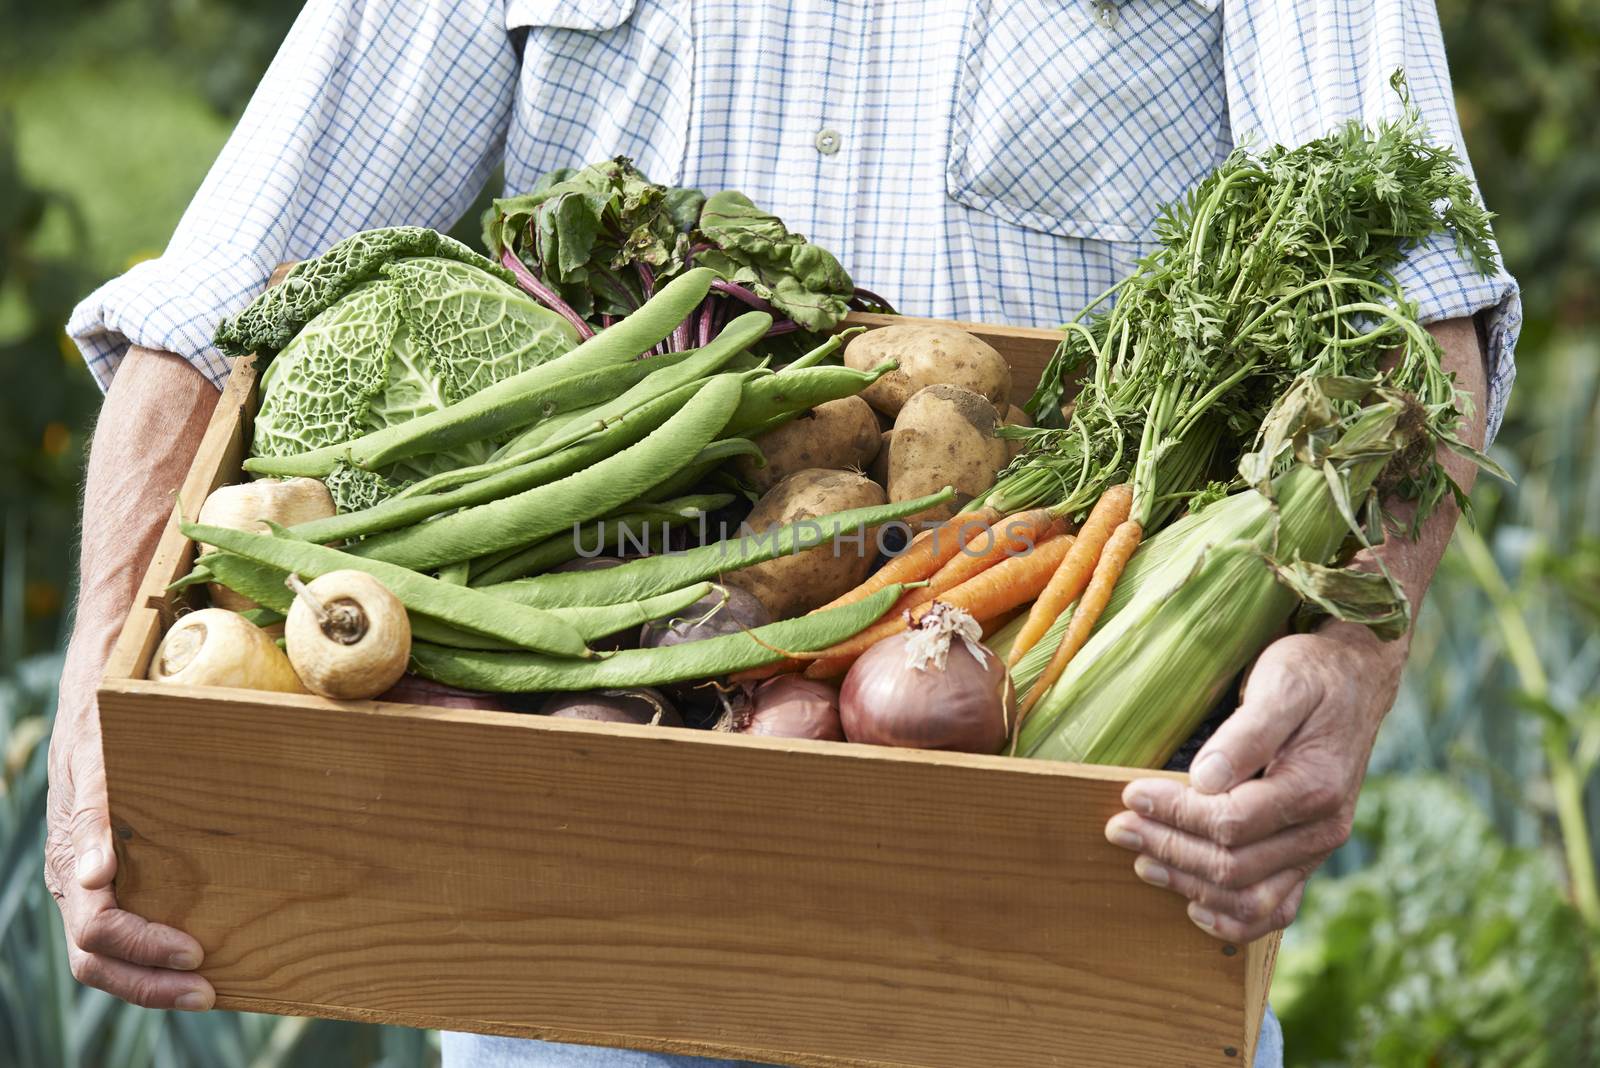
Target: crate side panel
x: 655, y: 889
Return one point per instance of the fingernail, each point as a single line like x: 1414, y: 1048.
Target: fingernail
x: 1151, y: 872
x: 1211, y: 774
x: 1141, y: 803
x: 90, y: 862
x: 1126, y: 839
x: 1202, y: 918
x: 193, y: 1001
x: 184, y: 961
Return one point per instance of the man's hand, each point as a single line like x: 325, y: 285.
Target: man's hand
x: 154, y: 416
x: 1240, y: 848
x: 146, y: 963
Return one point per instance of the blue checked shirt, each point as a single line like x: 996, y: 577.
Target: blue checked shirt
x: 976, y: 159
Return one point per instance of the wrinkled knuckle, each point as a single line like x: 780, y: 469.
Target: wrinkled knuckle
x: 1228, y: 824
x: 85, y: 969
x: 1284, y: 914
x: 84, y: 821
x: 145, y: 991
x: 1225, y: 868
x: 1250, y: 906
x: 1322, y: 798
x: 1329, y: 835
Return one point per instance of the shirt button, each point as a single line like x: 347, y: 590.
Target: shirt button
x: 828, y: 141
x: 1105, y: 13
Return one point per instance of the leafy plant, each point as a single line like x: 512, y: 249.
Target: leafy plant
x: 596, y: 242
x: 390, y: 336
x: 1449, y: 949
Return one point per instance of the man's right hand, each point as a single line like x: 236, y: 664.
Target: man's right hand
x: 146, y: 963
x: 150, y: 426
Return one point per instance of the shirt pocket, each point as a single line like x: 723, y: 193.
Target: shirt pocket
x: 600, y: 78
x: 1083, y: 119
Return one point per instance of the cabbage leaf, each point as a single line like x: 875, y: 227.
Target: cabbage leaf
x: 422, y: 333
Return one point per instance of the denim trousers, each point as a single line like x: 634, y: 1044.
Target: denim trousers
x: 486, y: 1051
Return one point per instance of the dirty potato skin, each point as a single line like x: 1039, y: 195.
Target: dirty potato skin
x: 1011, y: 415
x: 840, y: 435
x: 793, y: 585
x: 928, y: 354
x: 944, y: 437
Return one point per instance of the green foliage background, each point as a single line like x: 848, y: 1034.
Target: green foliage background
x: 1450, y: 932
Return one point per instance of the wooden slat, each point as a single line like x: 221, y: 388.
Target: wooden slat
x: 803, y: 903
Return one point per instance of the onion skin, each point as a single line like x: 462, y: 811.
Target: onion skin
x: 704, y: 703
x: 416, y: 690
x: 642, y: 707
x: 790, y: 706
x: 968, y: 707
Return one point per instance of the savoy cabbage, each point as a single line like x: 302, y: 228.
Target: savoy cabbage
x: 408, y: 336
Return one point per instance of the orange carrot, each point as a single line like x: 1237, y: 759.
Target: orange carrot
x: 1014, y: 536
x: 926, y: 554
x: 1119, y: 549
x: 1068, y: 583
x: 1018, y: 535
x: 1014, y: 581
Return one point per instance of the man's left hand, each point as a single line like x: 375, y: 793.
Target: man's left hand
x: 1238, y: 846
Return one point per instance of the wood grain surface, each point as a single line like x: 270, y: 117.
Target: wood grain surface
x: 799, y: 902
x: 802, y: 903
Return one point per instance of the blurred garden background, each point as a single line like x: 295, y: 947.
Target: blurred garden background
x: 1460, y: 927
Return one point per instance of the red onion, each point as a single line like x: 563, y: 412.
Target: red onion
x: 725, y: 610
x: 793, y: 707
x: 924, y: 689
x: 642, y: 705
x: 415, y: 690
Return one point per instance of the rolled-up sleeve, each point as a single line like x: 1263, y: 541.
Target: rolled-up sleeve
x: 1297, y: 70
x: 373, y: 113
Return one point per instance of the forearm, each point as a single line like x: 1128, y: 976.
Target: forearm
x: 149, y: 428
x: 1413, y: 560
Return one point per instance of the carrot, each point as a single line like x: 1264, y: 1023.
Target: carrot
x: 1119, y: 549
x: 927, y: 552
x: 1068, y: 583
x: 1014, y: 581
x: 1015, y: 536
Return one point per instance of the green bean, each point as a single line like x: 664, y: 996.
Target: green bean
x: 822, y: 351
x: 263, y: 617
x: 633, y: 525
x: 530, y: 672
x: 455, y: 574
x: 654, y: 574
x: 525, y: 627
x: 514, y: 401
x: 787, y: 393
x: 264, y: 584
x: 734, y: 339
x: 711, y: 457
x: 400, y: 512
x: 600, y: 488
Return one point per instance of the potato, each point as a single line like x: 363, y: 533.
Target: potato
x: 1011, y: 415
x: 929, y: 354
x: 793, y: 585
x: 944, y: 436
x: 878, y: 470
x: 836, y: 436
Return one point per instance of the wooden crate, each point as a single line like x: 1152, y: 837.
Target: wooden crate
x: 800, y: 903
